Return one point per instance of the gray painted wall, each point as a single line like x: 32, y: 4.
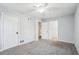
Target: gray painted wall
x: 30, y: 25
x: 65, y: 27
x: 0, y: 30
x: 76, y: 30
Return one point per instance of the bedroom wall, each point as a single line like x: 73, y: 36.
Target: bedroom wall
x: 0, y: 30
x: 27, y: 29
x: 65, y: 27
x: 76, y: 29
x: 12, y: 18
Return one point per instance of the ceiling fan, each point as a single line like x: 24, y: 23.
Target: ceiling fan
x: 40, y: 5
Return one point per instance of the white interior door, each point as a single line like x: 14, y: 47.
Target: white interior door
x: 44, y: 30
x: 49, y: 30
x: 53, y: 30
x: 10, y: 23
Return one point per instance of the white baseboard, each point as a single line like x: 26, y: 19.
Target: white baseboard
x: 2, y: 50
x: 17, y: 45
x: 76, y: 48
x: 7, y: 48
x: 66, y: 41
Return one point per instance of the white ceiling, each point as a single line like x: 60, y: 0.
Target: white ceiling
x: 51, y: 10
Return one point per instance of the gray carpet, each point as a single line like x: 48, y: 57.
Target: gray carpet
x: 42, y: 47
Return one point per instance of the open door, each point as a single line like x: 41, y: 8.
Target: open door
x: 53, y: 30
x: 44, y: 30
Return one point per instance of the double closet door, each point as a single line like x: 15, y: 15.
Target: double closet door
x: 49, y: 30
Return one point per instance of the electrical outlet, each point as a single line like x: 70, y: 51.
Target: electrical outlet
x: 21, y: 41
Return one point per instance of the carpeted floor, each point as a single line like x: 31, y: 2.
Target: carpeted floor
x: 42, y: 47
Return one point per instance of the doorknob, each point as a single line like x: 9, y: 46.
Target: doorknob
x: 16, y: 32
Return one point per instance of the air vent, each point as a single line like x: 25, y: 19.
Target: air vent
x: 21, y: 41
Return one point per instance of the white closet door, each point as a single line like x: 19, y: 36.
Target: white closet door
x: 53, y: 30
x: 10, y: 29
x: 44, y: 30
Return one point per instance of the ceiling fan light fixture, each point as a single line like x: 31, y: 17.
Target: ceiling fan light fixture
x: 39, y: 5
x: 42, y: 10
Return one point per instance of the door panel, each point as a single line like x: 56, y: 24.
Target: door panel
x: 10, y: 29
x: 53, y: 30
x: 49, y: 30
x: 44, y: 30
